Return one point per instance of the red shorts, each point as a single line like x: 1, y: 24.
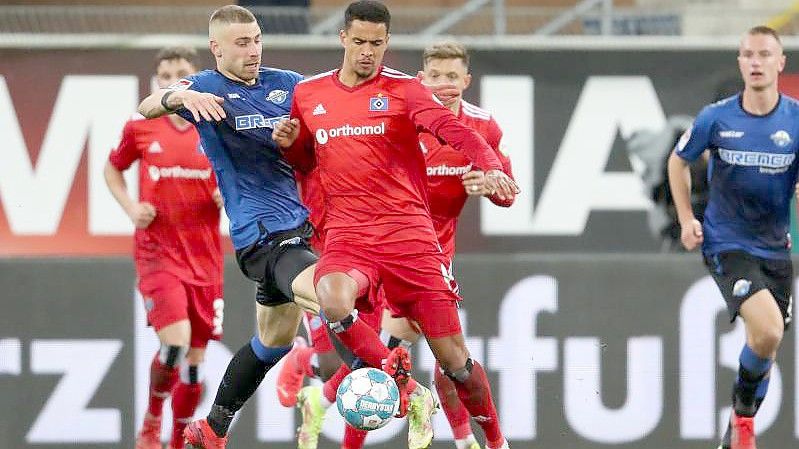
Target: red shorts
x: 415, y: 276
x: 168, y: 300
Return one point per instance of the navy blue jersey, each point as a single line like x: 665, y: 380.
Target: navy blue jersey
x: 752, y: 173
x: 256, y: 182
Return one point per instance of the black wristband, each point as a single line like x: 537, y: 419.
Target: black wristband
x: 164, y: 98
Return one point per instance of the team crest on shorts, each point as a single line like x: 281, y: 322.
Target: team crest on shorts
x: 149, y: 304
x: 741, y: 287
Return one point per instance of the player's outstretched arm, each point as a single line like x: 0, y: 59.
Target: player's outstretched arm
x: 201, y: 105
x: 679, y: 172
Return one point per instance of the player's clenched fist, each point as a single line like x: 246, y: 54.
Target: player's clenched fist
x: 141, y: 214
x: 499, y: 184
x: 286, y: 132
x: 202, y: 105
x: 691, y: 234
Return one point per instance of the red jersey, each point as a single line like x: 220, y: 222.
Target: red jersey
x: 445, y: 168
x: 371, y: 168
x: 176, y: 178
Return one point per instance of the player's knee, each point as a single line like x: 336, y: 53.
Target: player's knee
x: 195, y: 356
x: 766, y: 341
x: 454, y: 359
x: 335, y: 303
x: 172, y: 355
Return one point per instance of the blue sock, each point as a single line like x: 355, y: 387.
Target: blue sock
x: 751, y: 381
x: 268, y: 354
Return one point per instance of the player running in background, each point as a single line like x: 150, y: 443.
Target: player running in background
x: 378, y: 227
x: 234, y: 108
x: 177, y: 249
x: 450, y: 181
x: 753, y: 138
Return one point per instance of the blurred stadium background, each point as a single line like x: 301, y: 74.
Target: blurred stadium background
x: 596, y: 331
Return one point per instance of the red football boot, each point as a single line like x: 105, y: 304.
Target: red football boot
x: 398, y: 365
x: 199, y: 435
x: 291, y: 375
x: 742, y: 435
x: 150, y: 434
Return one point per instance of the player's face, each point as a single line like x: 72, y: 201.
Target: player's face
x: 170, y: 71
x: 364, y: 45
x: 451, y: 70
x: 237, y: 48
x: 760, y: 60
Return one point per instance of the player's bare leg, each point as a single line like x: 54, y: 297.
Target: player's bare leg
x: 174, y: 340
x: 764, y: 331
x: 471, y: 384
x: 304, y: 290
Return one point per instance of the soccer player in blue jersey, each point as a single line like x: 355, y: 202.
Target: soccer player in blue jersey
x: 234, y: 108
x: 752, y: 139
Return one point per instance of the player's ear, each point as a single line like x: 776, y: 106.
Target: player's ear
x: 782, y: 63
x: 216, y: 50
x: 467, y: 80
x: 342, y: 35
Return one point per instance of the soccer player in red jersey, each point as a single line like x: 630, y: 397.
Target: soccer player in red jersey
x: 364, y: 119
x: 450, y: 182
x: 178, y: 251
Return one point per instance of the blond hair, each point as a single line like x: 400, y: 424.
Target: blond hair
x: 231, y: 14
x: 446, y: 50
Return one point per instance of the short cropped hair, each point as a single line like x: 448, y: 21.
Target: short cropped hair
x: 173, y: 53
x: 232, y: 14
x: 446, y: 50
x: 766, y: 30
x: 367, y: 11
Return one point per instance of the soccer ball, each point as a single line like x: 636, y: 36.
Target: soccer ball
x: 367, y: 398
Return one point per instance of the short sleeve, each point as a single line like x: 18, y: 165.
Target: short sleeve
x: 696, y: 139
x: 126, y: 152
x: 191, y: 82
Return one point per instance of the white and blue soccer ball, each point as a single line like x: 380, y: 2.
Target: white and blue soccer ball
x: 368, y: 398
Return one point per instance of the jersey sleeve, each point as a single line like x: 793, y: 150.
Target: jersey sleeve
x: 494, y: 138
x: 126, y: 152
x: 301, y: 153
x: 191, y: 82
x: 428, y: 113
x: 696, y: 139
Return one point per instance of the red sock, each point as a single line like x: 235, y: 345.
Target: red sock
x: 162, y: 379
x: 304, y: 360
x: 330, y: 387
x: 353, y: 438
x: 475, y: 394
x: 364, y: 342
x: 184, y: 403
x: 456, y: 412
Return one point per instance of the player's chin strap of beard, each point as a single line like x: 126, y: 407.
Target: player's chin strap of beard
x: 460, y: 375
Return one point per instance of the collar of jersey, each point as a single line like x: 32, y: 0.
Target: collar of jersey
x: 338, y: 82
x: 241, y: 83
x: 774, y: 109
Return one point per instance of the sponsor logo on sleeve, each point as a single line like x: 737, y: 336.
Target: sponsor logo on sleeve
x: 181, y: 84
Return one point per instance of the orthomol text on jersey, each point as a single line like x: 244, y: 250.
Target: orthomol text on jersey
x: 177, y: 171
x: 346, y: 130
x: 446, y: 170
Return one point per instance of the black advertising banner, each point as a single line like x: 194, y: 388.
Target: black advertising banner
x: 582, y: 351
